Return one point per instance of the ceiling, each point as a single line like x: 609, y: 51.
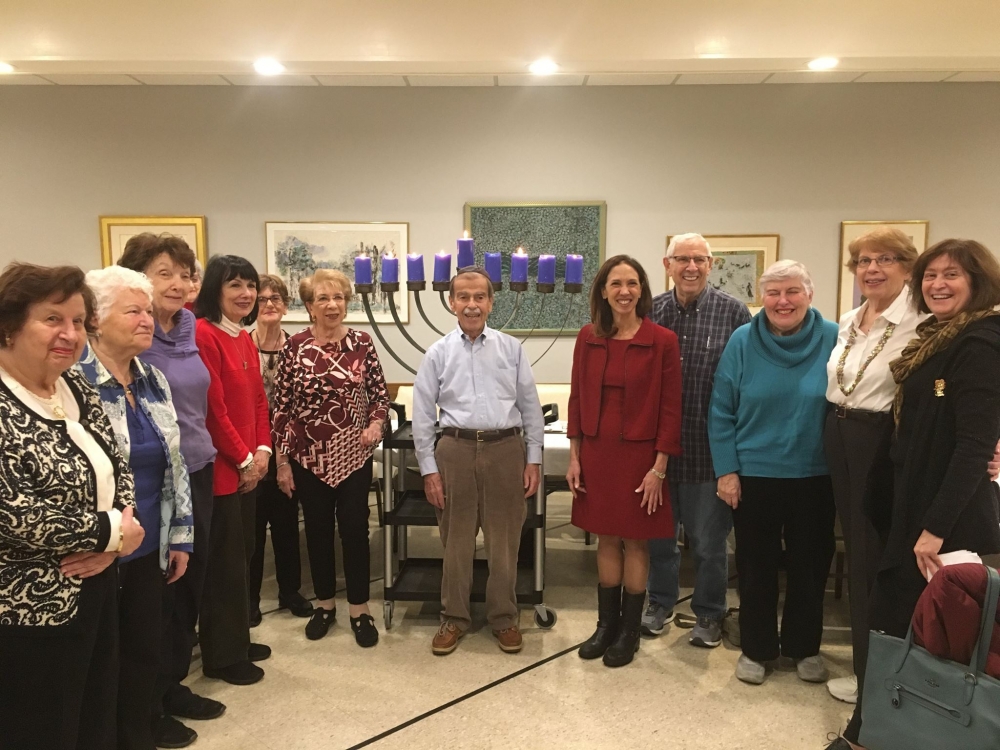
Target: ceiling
x: 491, y: 42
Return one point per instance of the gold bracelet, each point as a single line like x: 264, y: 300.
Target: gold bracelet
x: 121, y: 537
x: 658, y: 474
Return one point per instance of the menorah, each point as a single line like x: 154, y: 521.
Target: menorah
x: 389, y: 285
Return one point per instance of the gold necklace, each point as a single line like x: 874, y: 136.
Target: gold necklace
x: 843, y: 357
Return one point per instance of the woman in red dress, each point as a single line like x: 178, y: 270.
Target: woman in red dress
x: 624, y: 421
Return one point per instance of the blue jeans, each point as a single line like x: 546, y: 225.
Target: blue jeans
x: 707, y: 521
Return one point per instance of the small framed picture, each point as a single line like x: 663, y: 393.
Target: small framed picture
x: 848, y: 295
x: 738, y: 262
x: 117, y: 230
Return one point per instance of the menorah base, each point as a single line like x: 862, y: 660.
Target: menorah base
x: 416, y: 286
x: 391, y: 286
x: 572, y: 288
x: 545, y: 288
x: 519, y: 286
x: 364, y: 288
x: 441, y: 286
x: 497, y: 286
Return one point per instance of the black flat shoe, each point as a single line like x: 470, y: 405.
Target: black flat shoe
x: 364, y: 629
x: 168, y: 732
x: 320, y: 623
x: 295, y: 603
x: 255, y: 617
x: 258, y: 652
x: 189, y: 705
x: 241, y: 673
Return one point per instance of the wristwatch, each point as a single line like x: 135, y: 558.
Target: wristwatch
x: 658, y: 474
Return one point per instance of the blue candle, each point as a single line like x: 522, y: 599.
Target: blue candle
x: 519, y: 267
x: 466, y: 252
x: 546, y: 269
x: 442, y: 267
x: 493, y: 267
x: 414, y: 267
x: 574, y: 269
x: 362, y: 270
x: 390, y: 269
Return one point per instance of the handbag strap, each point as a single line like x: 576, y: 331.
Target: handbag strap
x: 982, y: 650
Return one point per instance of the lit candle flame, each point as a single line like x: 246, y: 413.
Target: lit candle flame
x: 520, y: 251
x: 466, y: 234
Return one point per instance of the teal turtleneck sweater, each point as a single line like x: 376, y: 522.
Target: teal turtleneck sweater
x: 769, y: 400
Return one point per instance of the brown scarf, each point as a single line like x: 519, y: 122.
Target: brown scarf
x: 933, y: 336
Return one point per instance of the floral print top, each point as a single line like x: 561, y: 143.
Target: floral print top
x: 324, y: 397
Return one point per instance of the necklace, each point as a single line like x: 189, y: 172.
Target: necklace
x: 843, y: 357
x: 239, y: 350
x: 53, y: 403
x: 272, y: 361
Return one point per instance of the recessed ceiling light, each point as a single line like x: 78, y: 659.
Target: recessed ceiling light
x: 711, y: 55
x: 823, y: 63
x: 543, y: 67
x: 6, y: 67
x: 268, y: 66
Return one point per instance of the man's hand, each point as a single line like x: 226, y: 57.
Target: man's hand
x: 434, y: 490
x: 177, y: 565
x: 86, y: 564
x: 532, y: 477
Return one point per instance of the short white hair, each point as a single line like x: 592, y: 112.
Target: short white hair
x: 110, y: 282
x: 682, y: 239
x: 787, y: 269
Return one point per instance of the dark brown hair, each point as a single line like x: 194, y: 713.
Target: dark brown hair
x: 981, y: 265
x: 472, y: 271
x: 24, y: 284
x: 600, y: 309
x: 270, y: 281
x: 143, y: 249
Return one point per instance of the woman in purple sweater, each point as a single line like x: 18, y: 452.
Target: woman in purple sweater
x: 169, y: 263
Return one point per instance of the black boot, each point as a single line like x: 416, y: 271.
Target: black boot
x: 626, y: 644
x: 609, y: 607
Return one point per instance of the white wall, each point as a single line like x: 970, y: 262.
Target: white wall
x: 787, y: 159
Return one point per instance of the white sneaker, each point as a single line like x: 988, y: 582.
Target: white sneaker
x: 844, y: 689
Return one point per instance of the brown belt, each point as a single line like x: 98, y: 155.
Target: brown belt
x: 880, y: 417
x: 480, y: 436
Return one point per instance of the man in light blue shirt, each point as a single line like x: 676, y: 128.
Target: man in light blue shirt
x: 487, y: 461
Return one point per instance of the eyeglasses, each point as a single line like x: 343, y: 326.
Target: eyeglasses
x: 683, y: 260
x: 275, y: 300
x: 881, y: 261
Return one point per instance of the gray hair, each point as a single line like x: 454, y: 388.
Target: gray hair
x: 110, y: 282
x: 681, y: 239
x: 787, y: 269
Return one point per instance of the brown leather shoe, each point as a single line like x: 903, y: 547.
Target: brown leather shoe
x: 509, y: 639
x: 446, y: 639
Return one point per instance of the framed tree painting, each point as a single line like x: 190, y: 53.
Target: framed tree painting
x: 296, y: 250
x: 117, y: 230
x: 738, y: 262
x: 848, y: 294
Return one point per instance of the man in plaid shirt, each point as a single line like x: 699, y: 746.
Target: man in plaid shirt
x: 703, y: 318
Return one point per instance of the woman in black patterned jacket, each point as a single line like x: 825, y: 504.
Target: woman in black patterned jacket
x: 66, y: 513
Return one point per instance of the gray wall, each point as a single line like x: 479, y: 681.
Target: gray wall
x: 787, y: 159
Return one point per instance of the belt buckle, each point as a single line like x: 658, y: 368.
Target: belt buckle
x: 479, y: 436
x: 841, y: 411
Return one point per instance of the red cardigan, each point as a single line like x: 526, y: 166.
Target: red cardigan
x: 652, y: 386
x: 237, y: 416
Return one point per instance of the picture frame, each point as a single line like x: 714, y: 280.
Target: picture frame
x: 297, y: 249
x: 117, y: 230
x: 738, y: 261
x: 542, y: 228
x: 848, y: 295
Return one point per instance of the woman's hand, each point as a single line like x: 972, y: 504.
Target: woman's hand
x: 372, y: 434
x: 652, y: 492
x: 926, y: 549
x: 993, y: 468
x: 177, y: 565
x: 132, y: 532
x: 729, y: 489
x: 248, y: 479
x: 260, y: 461
x: 86, y: 564
x: 574, y: 478
x: 286, y: 483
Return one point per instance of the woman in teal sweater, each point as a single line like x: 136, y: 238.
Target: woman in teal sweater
x: 765, y: 428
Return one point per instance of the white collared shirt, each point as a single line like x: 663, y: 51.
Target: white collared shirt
x: 876, y: 390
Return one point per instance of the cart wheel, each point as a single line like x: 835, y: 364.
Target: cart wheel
x: 387, y: 608
x: 545, y: 618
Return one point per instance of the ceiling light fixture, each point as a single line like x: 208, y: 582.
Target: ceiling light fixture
x: 268, y: 66
x: 6, y: 67
x: 543, y: 67
x: 823, y: 63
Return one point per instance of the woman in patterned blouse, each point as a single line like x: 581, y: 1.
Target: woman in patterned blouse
x: 330, y: 405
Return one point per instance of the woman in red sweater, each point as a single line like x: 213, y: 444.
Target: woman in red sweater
x: 240, y: 428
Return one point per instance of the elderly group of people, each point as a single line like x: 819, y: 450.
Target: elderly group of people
x: 135, y: 436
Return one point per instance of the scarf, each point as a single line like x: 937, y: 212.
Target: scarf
x: 933, y: 336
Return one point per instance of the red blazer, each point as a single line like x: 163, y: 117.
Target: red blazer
x: 237, y: 416
x: 652, y: 386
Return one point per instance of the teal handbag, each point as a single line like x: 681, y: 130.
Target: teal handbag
x: 915, y: 701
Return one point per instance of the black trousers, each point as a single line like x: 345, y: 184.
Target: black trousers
x: 276, y: 509
x: 850, y: 449
x: 140, y: 620
x: 323, y: 508
x: 800, y: 512
x: 59, y: 686
x: 182, y: 599
x: 224, y: 632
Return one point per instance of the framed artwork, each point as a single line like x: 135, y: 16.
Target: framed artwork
x: 297, y: 249
x: 848, y: 294
x: 738, y: 262
x: 556, y: 228
x: 117, y: 230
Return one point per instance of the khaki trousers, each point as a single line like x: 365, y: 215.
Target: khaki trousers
x: 483, y: 488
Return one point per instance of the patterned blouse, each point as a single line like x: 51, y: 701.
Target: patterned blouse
x: 324, y: 397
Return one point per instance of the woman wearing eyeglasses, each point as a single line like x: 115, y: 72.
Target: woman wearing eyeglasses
x: 274, y: 508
